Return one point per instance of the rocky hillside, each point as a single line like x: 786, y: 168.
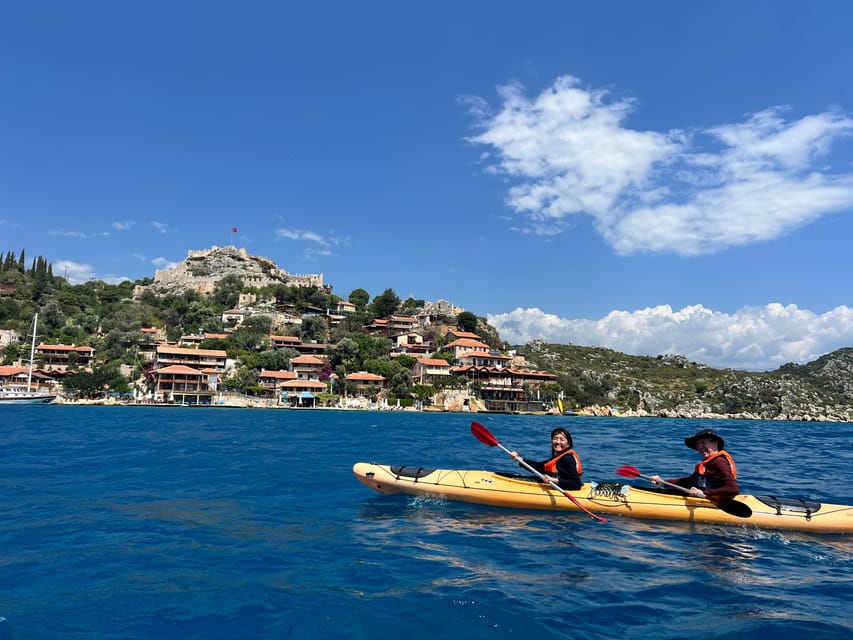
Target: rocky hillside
x: 833, y: 372
x: 672, y: 386
x: 203, y: 269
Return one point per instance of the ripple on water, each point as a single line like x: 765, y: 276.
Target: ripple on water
x: 139, y: 523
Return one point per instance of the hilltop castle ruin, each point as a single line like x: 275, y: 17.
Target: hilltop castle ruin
x: 203, y: 268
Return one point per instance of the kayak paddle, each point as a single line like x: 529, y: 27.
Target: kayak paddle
x: 732, y: 507
x: 485, y: 436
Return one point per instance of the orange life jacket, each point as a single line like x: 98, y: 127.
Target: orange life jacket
x: 551, y: 465
x: 700, y: 468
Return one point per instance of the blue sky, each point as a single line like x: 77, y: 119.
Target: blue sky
x: 660, y: 177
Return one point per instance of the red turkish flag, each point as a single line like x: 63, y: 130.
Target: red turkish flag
x: 233, y: 229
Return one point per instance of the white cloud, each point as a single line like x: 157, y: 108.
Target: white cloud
x: 752, y: 339
x: 162, y: 227
x: 74, y: 272
x: 67, y: 234
x: 123, y: 226
x: 163, y: 263
x: 326, y: 243
x: 110, y: 278
x: 569, y: 153
x: 77, y: 234
x: 317, y: 253
x: 298, y: 234
x: 77, y: 273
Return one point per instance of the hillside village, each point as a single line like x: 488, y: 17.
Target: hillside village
x: 444, y: 366
x: 225, y: 328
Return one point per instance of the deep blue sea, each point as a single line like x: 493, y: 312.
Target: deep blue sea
x: 126, y: 522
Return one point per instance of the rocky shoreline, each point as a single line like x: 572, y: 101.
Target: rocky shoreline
x: 743, y: 415
x: 246, y: 402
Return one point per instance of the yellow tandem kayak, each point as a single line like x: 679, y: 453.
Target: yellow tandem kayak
x: 605, y: 498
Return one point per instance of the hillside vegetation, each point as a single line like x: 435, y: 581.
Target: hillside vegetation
x: 671, y: 385
x: 110, y: 318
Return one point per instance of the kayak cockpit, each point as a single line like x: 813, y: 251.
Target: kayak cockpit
x: 403, y: 471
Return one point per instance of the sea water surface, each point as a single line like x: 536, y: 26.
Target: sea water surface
x: 130, y: 522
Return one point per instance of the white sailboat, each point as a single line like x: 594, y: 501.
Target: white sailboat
x: 20, y: 394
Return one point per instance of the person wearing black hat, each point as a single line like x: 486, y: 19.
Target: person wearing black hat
x: 716, y: 476
x: 564, y: 465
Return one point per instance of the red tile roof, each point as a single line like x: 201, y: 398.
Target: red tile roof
x: 464, y: 334
x: 306, y: 359
x: 63, y: 347
x: 467, y: 342
x: 280, y: 375
x: 218, y: 353
x: 178, y: 368
x: 6, y: 372
x: 304, y: 384
x: 365, y: 377
x: 434, y: 362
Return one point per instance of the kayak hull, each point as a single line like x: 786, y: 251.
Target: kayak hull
x: 606, y: 499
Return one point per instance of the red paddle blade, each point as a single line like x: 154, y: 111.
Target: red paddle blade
x: 628, y: 471
x: 483, y: 435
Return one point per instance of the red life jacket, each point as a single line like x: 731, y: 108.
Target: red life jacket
x: 551, y: 465
x: 700, y: 468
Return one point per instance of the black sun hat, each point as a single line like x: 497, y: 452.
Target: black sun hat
x: 705, y: 433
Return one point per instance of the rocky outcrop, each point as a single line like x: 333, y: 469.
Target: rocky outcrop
x: 202, y: 269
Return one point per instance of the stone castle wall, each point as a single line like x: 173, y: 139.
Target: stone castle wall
x: 203, y: 268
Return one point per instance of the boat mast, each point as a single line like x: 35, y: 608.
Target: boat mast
x: 32, y: 353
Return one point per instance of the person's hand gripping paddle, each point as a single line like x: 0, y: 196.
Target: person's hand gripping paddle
x: 485, y: 436
x: 730, y: 506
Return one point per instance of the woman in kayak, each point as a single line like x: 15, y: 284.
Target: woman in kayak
x: 564, y: 465
x: 716, y: 475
